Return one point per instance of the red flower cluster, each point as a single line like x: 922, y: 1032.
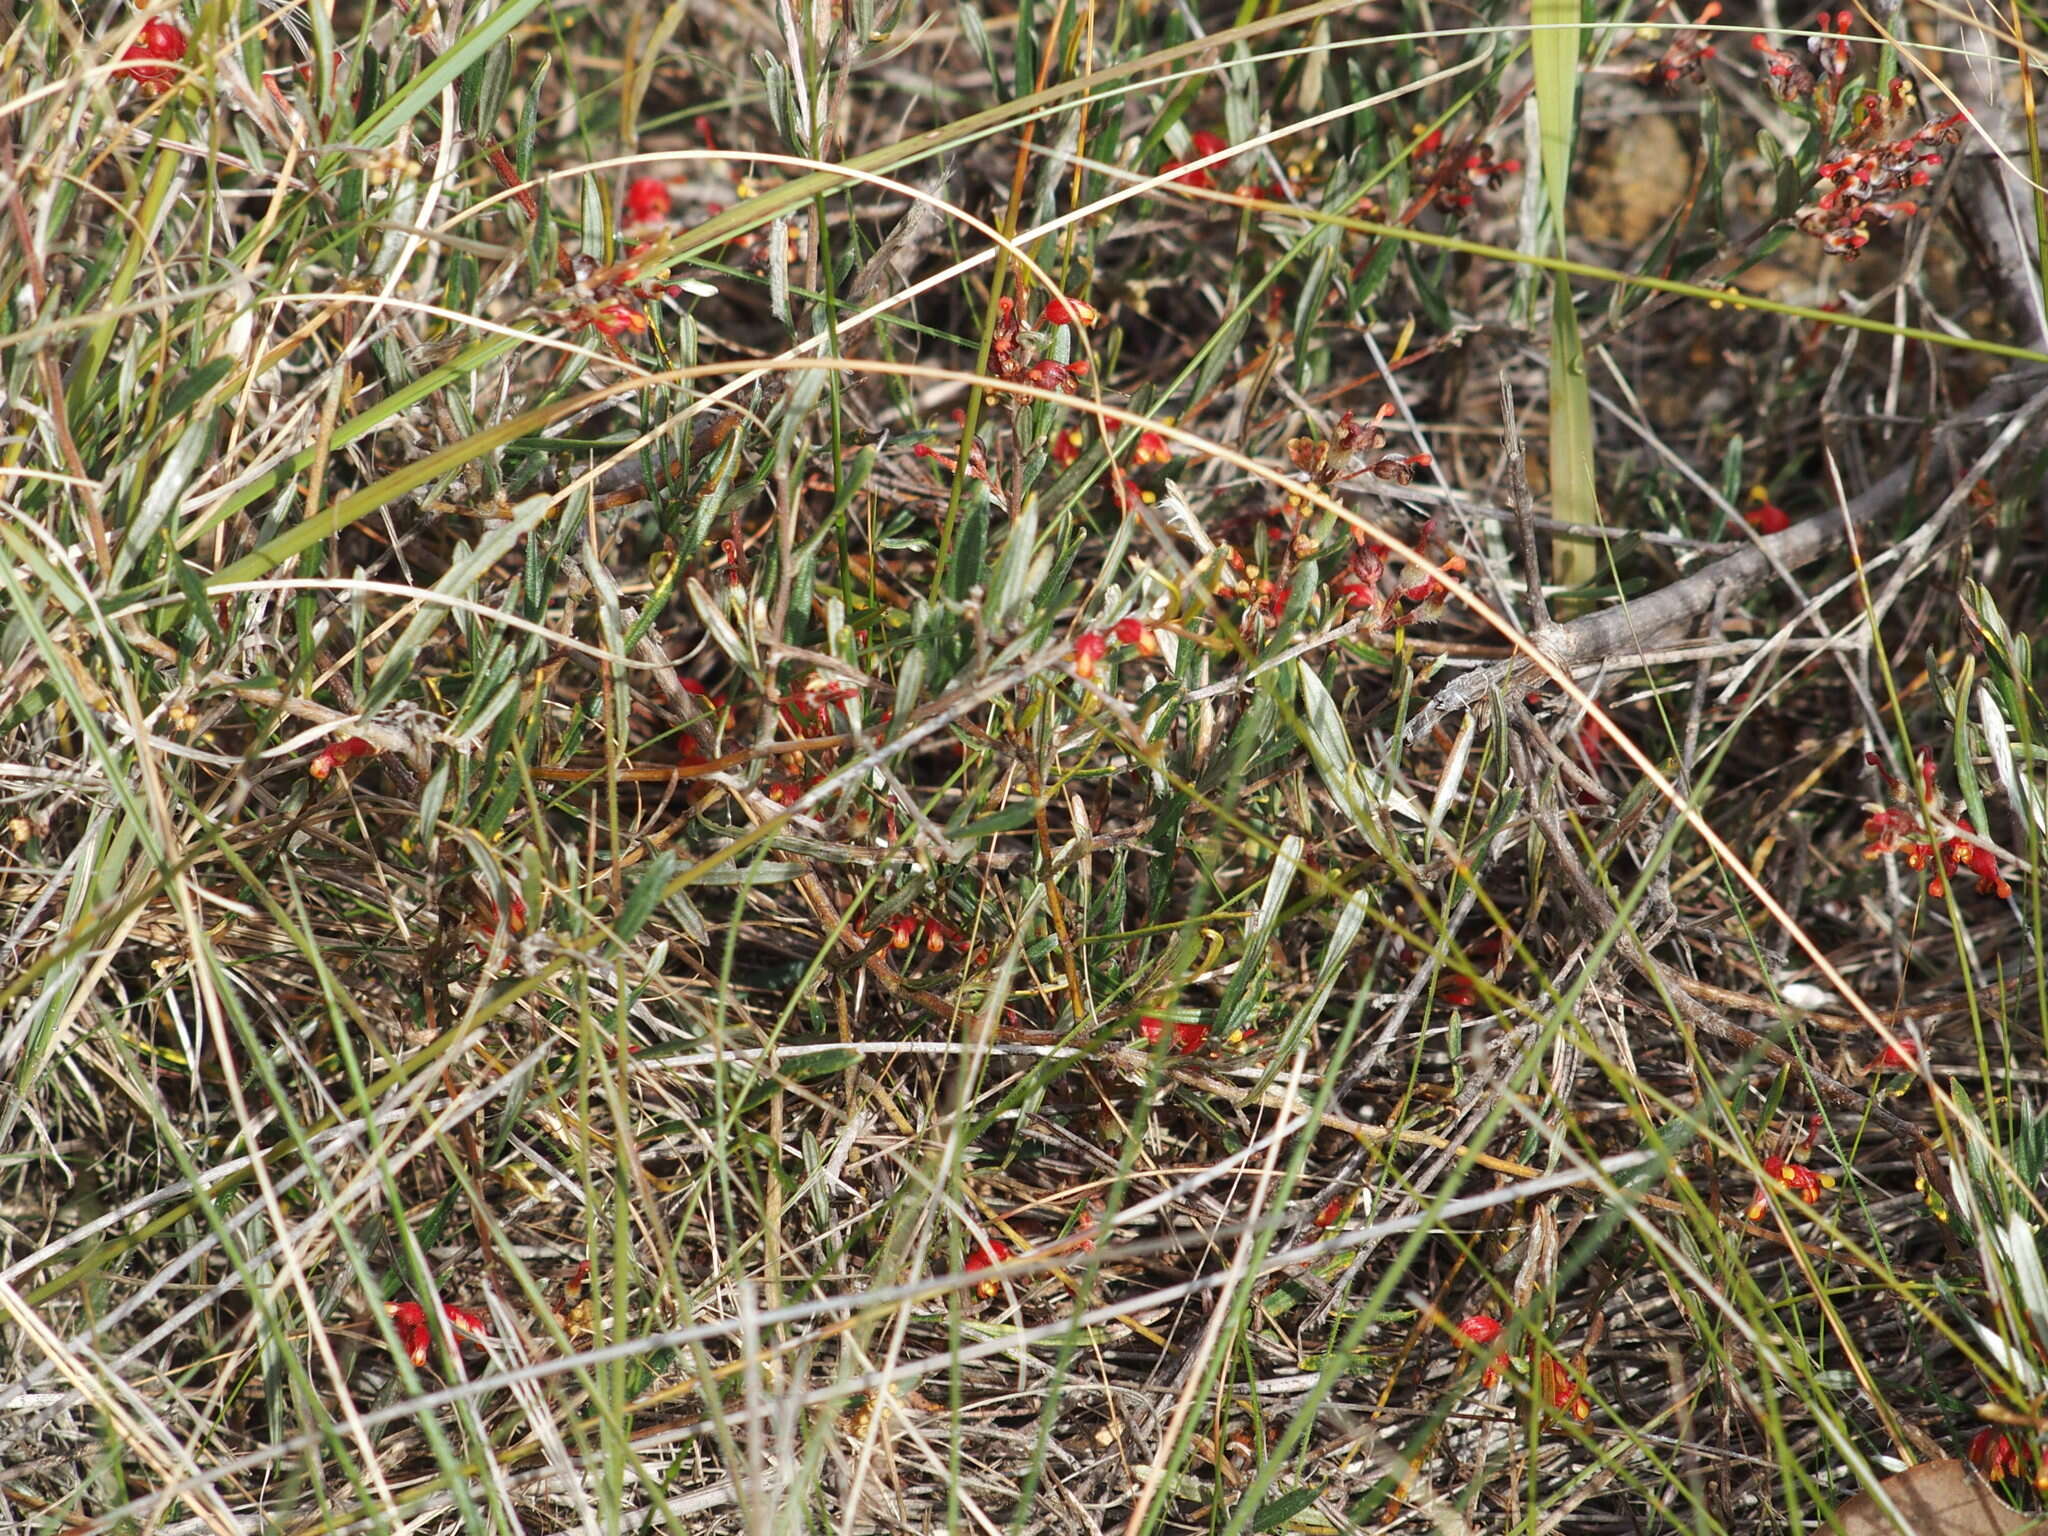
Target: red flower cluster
x: 1359, y: 584
x: 1090, y: 648
x: 1006, y: 355
x: 938, y: 937
x: 1557, y: 1383
x: 1998, y: 1454
x: 1878, y: 163
x: 339, y: 754
x: 1686, y: 58
x: 1891, y: 828
x: 415, y: 1337
x: 609, y: 297
x: 1463, y: 170
x: 1862, y: 188
x: 161, y: 45
x: 1353, y: 449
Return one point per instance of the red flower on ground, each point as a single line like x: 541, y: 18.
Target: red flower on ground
x: 1187, y: 1038
x: 1996, y: 1454
x: 1457, y: 992
x: 1561, y: 1389
x: 1767, y: 518
x: 339, y: 754
x: 1203, y: 145
x: 161, y: 45
x: 1795, y: 1179
x: 1482, y: 1330
x: 415, y: 1337
x: 995, y: 1251
x: 1890, y: 829
x: 646, y: 201
x: 1903, y: 1057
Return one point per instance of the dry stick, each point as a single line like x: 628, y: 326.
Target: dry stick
x: 1626, y: 631
x: 1599, y: 916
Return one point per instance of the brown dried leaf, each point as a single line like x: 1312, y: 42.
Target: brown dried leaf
x: 1936, y: 1498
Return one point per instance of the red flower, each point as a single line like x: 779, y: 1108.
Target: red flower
x: 1088, y: 650
x: 1997, y: 1455
x: 162, y: 41
x: 1561, y: 1389
x: 995, y: 1251
x: 337, y: 754
x: 646, y: 201
x: 1127, y: 493
x: 1457, y: 992
x: 1136, y: 632
x: 617, y: 319
x: 1187, y: 1038
x: 1788, y: 77
x: 1066, y: 446
x: 1482, y: 1330
x: 1151, y: 449
x: 1903, y: 1057
x: 1333, y: 1211
x: 1795, y: 1179
x: 1767, y: 518
x: 1205, y: 144
x: 414, y: 1336
x: 1072, y: 312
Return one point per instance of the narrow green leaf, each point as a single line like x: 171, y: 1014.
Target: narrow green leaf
x: 384, y: 123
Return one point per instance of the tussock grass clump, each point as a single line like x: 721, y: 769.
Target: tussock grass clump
x: 1051, y: 768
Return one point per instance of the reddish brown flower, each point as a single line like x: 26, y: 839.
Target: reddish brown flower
x: 1089, y: 649
x: 1789, y: 78
x: 1060, y: 378
x: 1686, y: 58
